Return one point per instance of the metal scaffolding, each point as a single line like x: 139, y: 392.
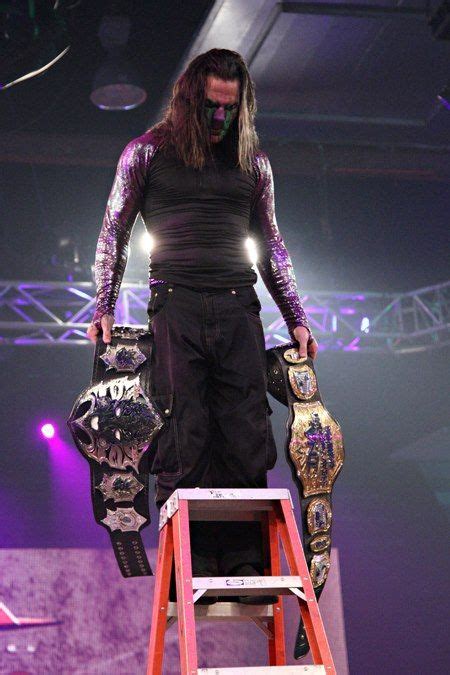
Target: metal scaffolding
x: 58, y: 313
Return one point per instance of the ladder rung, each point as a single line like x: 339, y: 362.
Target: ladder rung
x: 246, y: 585
x: 262, y: 670
x: 226, y: 611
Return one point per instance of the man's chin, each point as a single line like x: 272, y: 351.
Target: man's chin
x: 215, y: 138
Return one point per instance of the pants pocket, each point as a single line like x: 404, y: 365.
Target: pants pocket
x: 246, y: 296
x: 167, y: 456
x: 159, y: 296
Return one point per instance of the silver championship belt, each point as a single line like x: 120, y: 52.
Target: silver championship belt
x: 113, y: 422
x: 315, y: 453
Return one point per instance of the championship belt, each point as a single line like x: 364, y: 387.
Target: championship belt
x: 113, y: 422
x: 315, y: 453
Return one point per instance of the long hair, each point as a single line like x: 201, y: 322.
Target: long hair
x: 184, y: 125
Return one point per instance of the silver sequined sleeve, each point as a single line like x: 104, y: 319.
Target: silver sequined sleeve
x: 274, y: 263
x: 123, y: 205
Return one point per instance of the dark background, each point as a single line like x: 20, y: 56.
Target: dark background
x: 347, y: 113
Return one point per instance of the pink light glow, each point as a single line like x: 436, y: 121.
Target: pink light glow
x: 48, y: 430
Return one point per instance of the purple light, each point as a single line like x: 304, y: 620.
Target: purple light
x: 352, y: 346
x: 48, y: 430
x: 316, y: 309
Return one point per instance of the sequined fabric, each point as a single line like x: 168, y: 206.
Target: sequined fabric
x: 274, y: 262
x: 124, y: 203
x: 126, y: 200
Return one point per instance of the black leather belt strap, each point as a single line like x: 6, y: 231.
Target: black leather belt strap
x: 113, y: 423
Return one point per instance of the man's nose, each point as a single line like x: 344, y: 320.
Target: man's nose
x: 219, y: 115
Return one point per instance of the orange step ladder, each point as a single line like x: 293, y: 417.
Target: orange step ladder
x: 275, y: 511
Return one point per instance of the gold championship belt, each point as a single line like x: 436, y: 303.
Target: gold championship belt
x: 315, y: 453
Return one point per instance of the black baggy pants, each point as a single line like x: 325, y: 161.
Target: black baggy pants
x: 209, y: 379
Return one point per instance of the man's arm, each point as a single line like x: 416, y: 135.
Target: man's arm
x: 124, y: 203
x: 274, y: 263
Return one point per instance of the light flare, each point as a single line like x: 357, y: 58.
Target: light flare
x: 251, y: 249
x: 147, y: 242
x: 48, y: 430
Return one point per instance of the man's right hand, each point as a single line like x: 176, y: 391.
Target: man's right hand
x: 107, y: 322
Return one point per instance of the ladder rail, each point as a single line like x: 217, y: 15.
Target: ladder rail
x: 315, y: 631
x: 183, y: 576
x: 277, y: 643
x: 160, y: 602
x: 275, y: 510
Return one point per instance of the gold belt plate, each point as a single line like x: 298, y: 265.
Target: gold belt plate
x: 316, y: 447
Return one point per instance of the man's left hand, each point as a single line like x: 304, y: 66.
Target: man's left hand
x: 307, y: 345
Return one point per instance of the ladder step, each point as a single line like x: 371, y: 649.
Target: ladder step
x: 226, y: 611
x: 246, y: 585
x: 263, y: 670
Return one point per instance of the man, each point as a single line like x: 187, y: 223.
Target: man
x: 202, y: 187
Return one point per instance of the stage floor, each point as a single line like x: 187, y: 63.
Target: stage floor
x: 104, y: 620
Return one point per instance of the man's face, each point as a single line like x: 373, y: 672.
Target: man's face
x: 221, y: 105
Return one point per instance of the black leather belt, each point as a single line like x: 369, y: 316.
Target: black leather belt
x: 113, y: 422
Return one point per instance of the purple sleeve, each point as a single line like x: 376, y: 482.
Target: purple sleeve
x: 274, y: 263
x: 123, y: 205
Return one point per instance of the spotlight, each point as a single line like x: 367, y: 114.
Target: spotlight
x: 146, y: 242
x: 365, y: 324
x: 48, y: 430
x: 66, y: 261
x: 117, y: 84
x: 444, y: 97
x: 251, y: 248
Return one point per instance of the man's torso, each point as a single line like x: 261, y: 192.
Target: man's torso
x: 199, y: 221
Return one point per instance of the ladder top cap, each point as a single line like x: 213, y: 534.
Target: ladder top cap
x: 215, y: 500
x: 231, y: 493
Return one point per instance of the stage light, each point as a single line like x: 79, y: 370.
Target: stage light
x: 66, y: 261
x: 365, y: 324
x: 444, y: 97
x: 251, y: 248
x: 48, y: 430
x: 146, y: 242
x: 117, y: 84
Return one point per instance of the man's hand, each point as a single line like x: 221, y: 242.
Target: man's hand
x: 307, y: 346
x: 107, y: 322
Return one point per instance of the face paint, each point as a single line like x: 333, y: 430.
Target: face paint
x: 220, y: 117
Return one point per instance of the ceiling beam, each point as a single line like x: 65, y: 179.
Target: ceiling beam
x: 289, y: 155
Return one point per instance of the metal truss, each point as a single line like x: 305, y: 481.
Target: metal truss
x: 53, y: 313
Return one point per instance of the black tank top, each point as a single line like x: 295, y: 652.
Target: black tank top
x: 199, y: 221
